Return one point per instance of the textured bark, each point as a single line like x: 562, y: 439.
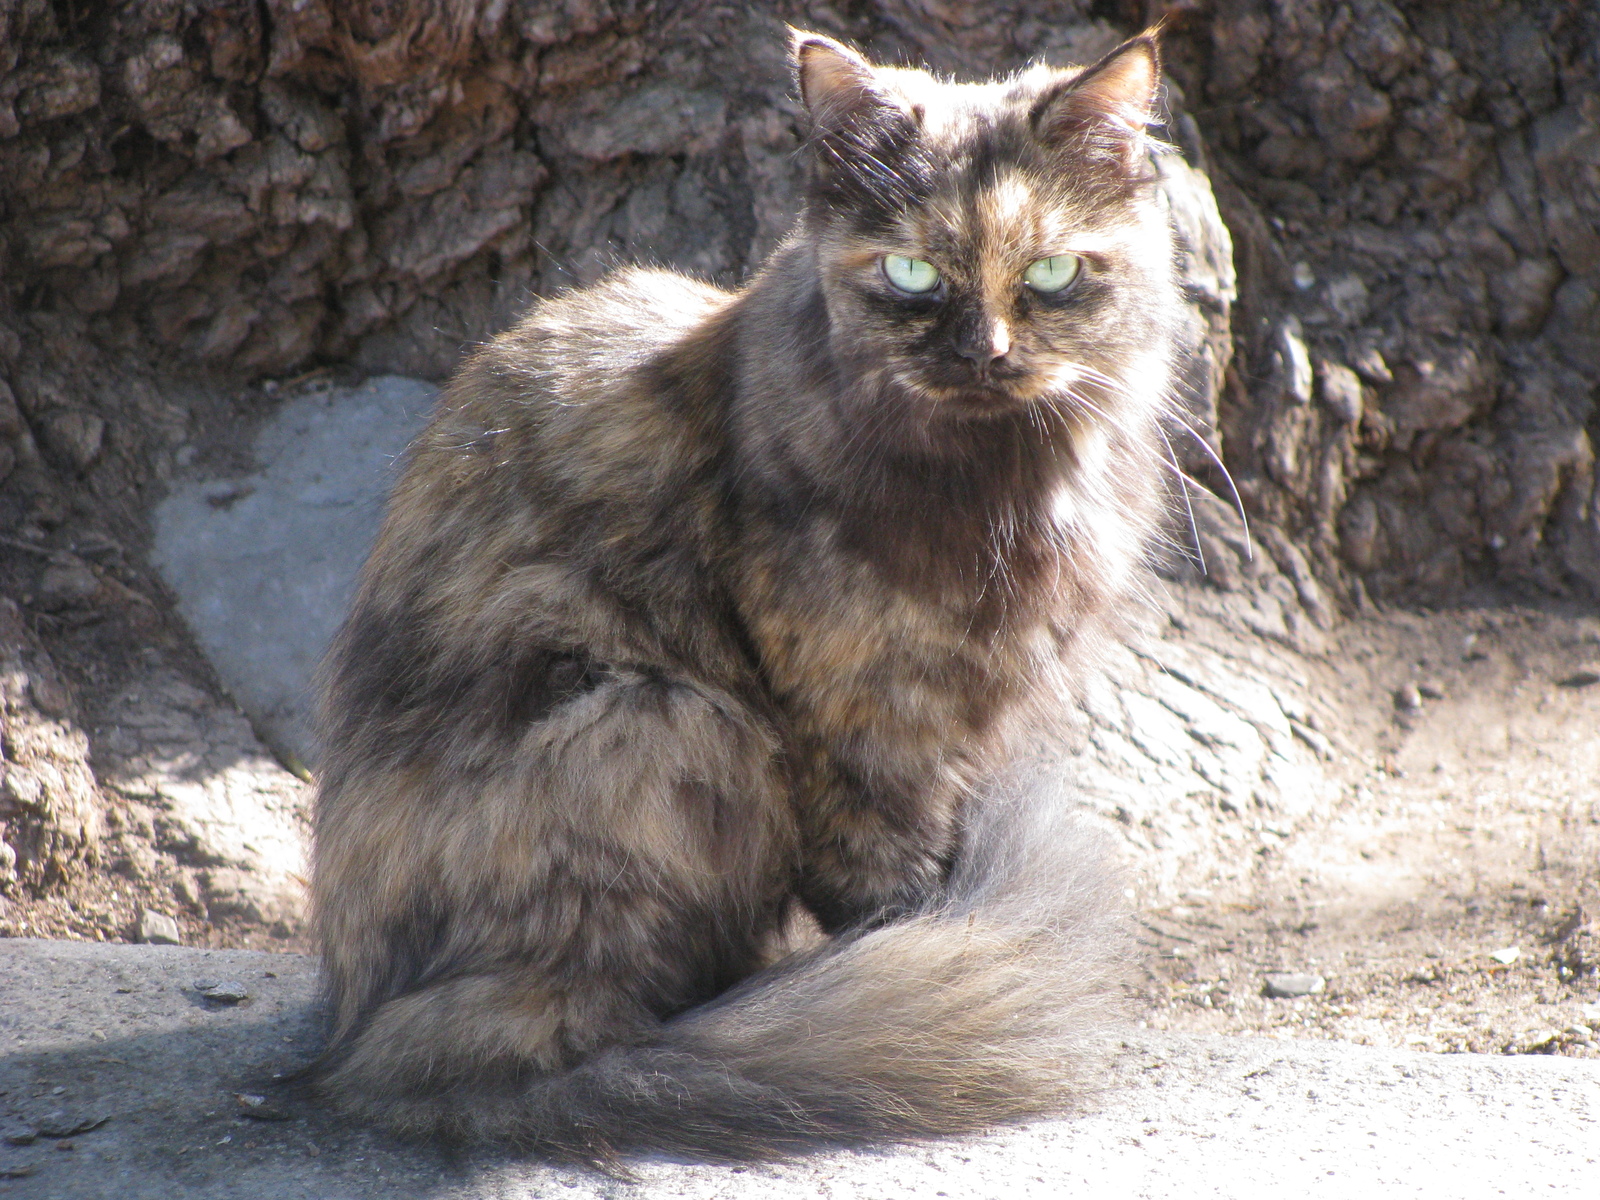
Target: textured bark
x: 1414, y: 192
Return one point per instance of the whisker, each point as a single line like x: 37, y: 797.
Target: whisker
x: 1188, y: 506
x: 1238, y: 501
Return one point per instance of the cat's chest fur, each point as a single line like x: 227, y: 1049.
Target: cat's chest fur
x: 884, y: 665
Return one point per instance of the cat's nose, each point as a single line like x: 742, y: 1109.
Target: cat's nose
x: 985, y: 346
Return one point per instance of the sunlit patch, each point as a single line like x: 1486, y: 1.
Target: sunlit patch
x: 1007, y: 203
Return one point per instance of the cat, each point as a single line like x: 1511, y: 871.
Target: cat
x: 698, y: 615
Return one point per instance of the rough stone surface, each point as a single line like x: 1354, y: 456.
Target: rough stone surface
x: 50, y: 824
x: 193, y: 773
x: 264, y: 564
x: 119, y: 1033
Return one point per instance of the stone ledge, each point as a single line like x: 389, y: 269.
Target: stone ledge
x: 122, y: 1032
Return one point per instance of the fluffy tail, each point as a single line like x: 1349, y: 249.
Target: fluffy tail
x: 980, y: 1012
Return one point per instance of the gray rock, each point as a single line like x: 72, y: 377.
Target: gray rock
x: 65, y: 1124
x: 66, y: 584
x: 225, y: 992
x: 1199, y: 1117
x: 158, y: 929
x: 263, y: 565
x: 1341, y: 392
x: 1289, y: 986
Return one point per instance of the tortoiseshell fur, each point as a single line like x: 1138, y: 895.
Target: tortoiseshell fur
x: 695, y: 610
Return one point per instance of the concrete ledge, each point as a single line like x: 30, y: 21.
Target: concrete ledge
x: 123, y: 1032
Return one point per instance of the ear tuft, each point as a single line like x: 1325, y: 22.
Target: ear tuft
x: 837, y: 85
x: 1115, y: 97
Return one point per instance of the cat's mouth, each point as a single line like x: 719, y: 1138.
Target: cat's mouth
x: 966, y: 394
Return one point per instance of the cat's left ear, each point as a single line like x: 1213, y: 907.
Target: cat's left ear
x: 1104, y: 109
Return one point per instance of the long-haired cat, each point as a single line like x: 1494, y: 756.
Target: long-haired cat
x: 697, y: 610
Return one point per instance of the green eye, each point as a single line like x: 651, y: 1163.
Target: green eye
x: 910, y: 274
x: 1052, y: 274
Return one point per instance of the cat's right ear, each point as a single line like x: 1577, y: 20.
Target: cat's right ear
x: 838, y: 87
x: 1102, y: 111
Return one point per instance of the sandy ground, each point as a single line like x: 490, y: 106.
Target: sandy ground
x: 1451, y: 902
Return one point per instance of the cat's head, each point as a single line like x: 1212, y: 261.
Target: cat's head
x: 990, y: 247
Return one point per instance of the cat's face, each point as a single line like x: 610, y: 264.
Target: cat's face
x: 990, y: 247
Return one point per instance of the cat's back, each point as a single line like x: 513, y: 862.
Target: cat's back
x: 597, y: 397
x: 590, y: 365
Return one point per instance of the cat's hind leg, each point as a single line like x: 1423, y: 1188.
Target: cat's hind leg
x: 629, y: 857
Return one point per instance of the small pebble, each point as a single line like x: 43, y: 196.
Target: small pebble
x: 225, y: 992
x: 1287, y: 987
x: 1431, y: 689
x: 259, y: 1108
x: 1581, y: 678
x: 158, y: 929
x: 1408, y: 698
x: 1507, y: 956
x: 15, y: 1133
x: 60, y: 1125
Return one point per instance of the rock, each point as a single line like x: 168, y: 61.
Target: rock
x: 1371, y: 366
x: 74, y: 435
x: 158, y: 929
x: 18, y: 1133
x: 1408, y: 698
x: 1581, y: 678
x: 1292, y: 362
x: 1442, y: 391
x: 1534, y: 1041
x: 1341, y: 392
x: 138, y: 861
x: 209, y: 792
x: 58, y: 84
x: 260, y: 1108
x: 1431, y: 689
x: 1523, y: 295
x: 264, y: 580
x: 67, y: 582
x: 1289, y: 986
x: 225, y: 992
x: 63, y: 1124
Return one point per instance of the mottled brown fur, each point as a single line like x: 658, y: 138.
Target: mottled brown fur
x: 696, y: 609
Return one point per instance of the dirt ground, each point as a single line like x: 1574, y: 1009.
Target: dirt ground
x: 1452, y: 903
